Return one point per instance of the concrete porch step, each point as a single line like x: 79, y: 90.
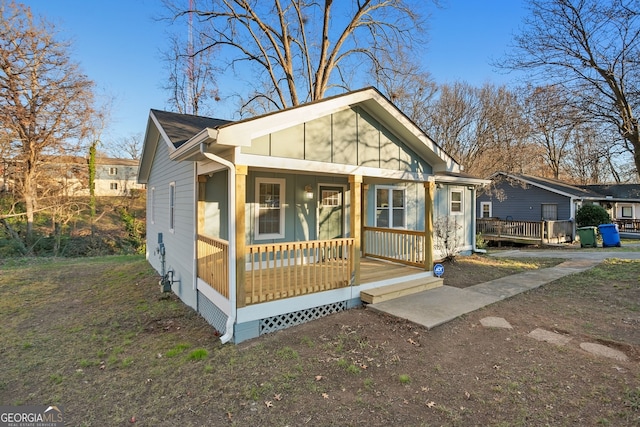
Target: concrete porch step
x: 389, y: 292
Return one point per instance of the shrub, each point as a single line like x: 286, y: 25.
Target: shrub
x: 592, y: 216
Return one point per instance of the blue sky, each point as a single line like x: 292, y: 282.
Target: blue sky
x: 118, y: 45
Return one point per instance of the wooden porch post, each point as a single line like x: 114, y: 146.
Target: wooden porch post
x: 355, y: 184
x: 202, y: 187
x: 241, y: 198
x: 429, y: 191
x: 363, y: 240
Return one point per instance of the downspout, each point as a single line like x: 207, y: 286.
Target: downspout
x: 231, y: 195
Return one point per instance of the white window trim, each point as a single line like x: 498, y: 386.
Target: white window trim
x: 627, y: 205
x: 456, y: 190
x: 482, y: 205
x: 172, y: 206
x: 389, y: 207
x: 281, y: 182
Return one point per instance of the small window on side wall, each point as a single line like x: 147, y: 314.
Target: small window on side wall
x: 455, y: 206
x: 627, y: 212
x: 172, y: 206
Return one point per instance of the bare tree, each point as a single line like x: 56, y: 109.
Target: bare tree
x: 46, y: 103
x: 192, y: 77
x: 294, y: 51
x: 405, y: 83
x: 591, y: 48
x: 129, y: 147
x: 554, y: 122
x: 482, y: 128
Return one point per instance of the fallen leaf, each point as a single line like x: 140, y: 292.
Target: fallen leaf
x: 431, y: 404
x: 132, y: 420
x: 417, y: 344
x: 467, y: 395
x: 425, y: 389
x: 319, y: 377
x: 325, y: 395
x: 496, y: 367
x: 278, y: 397
x: 229, y: 415
x: 364, y: 366
x: 268, y: 404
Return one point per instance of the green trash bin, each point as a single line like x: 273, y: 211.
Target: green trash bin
x: 587, y: 237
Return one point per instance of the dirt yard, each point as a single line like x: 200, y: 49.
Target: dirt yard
x: 96, y: 337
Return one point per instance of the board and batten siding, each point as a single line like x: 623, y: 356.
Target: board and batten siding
x: 524, y: 204
x: 350, y: 137
x: 179, y: 242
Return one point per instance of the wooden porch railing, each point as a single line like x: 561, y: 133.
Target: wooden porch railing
x: 402, y: 246
x: 540, y: 231
x: 213, y: 263
x: 281, y: 270
x: 628, y: 225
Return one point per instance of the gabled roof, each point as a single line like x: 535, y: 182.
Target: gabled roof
x: 589, y: 192
x: 187, y: 133
x: 616, y: 191
x: 549, y: 184
x: 179, y: 128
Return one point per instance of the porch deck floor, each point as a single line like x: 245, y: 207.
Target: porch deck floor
x: 265, y: 286
x: 374, y: 270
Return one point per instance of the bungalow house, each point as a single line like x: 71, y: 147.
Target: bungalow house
x: 527, y: 208
x: 264, y: 223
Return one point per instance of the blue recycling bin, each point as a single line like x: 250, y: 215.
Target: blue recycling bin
x: 610, y: 235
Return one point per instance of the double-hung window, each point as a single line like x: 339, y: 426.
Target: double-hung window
x: 390, y: 207
x: 455, y: 202
x: 485, y: 209
x: 270, y: 194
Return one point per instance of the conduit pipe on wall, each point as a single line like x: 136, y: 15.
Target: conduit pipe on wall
x: 231, y: 195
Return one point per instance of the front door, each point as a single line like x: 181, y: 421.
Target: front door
x: 331, y: 213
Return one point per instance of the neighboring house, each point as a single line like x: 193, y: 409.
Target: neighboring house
x: 622, y: 201
x: 513, y: 198
x: 116, y: 177
x: 271, y: 221
x: 69, y: 176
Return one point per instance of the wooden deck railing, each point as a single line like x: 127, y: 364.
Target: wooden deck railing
x: 213, y: 263
x: 281, y: 270
x: 628, y: 225
x: 402, y: 246
x: 540, y: 231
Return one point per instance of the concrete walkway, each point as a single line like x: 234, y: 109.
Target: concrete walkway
x: 437, y: 306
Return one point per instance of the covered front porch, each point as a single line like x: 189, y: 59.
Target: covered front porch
x: 275, y: 271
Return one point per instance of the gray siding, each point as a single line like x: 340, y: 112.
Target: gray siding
x: 216, y: 211
x: 300, y: 213
x: 179, y: 243
x: 414, y: 193
x: 442, y: 210
x: 524, y: 204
